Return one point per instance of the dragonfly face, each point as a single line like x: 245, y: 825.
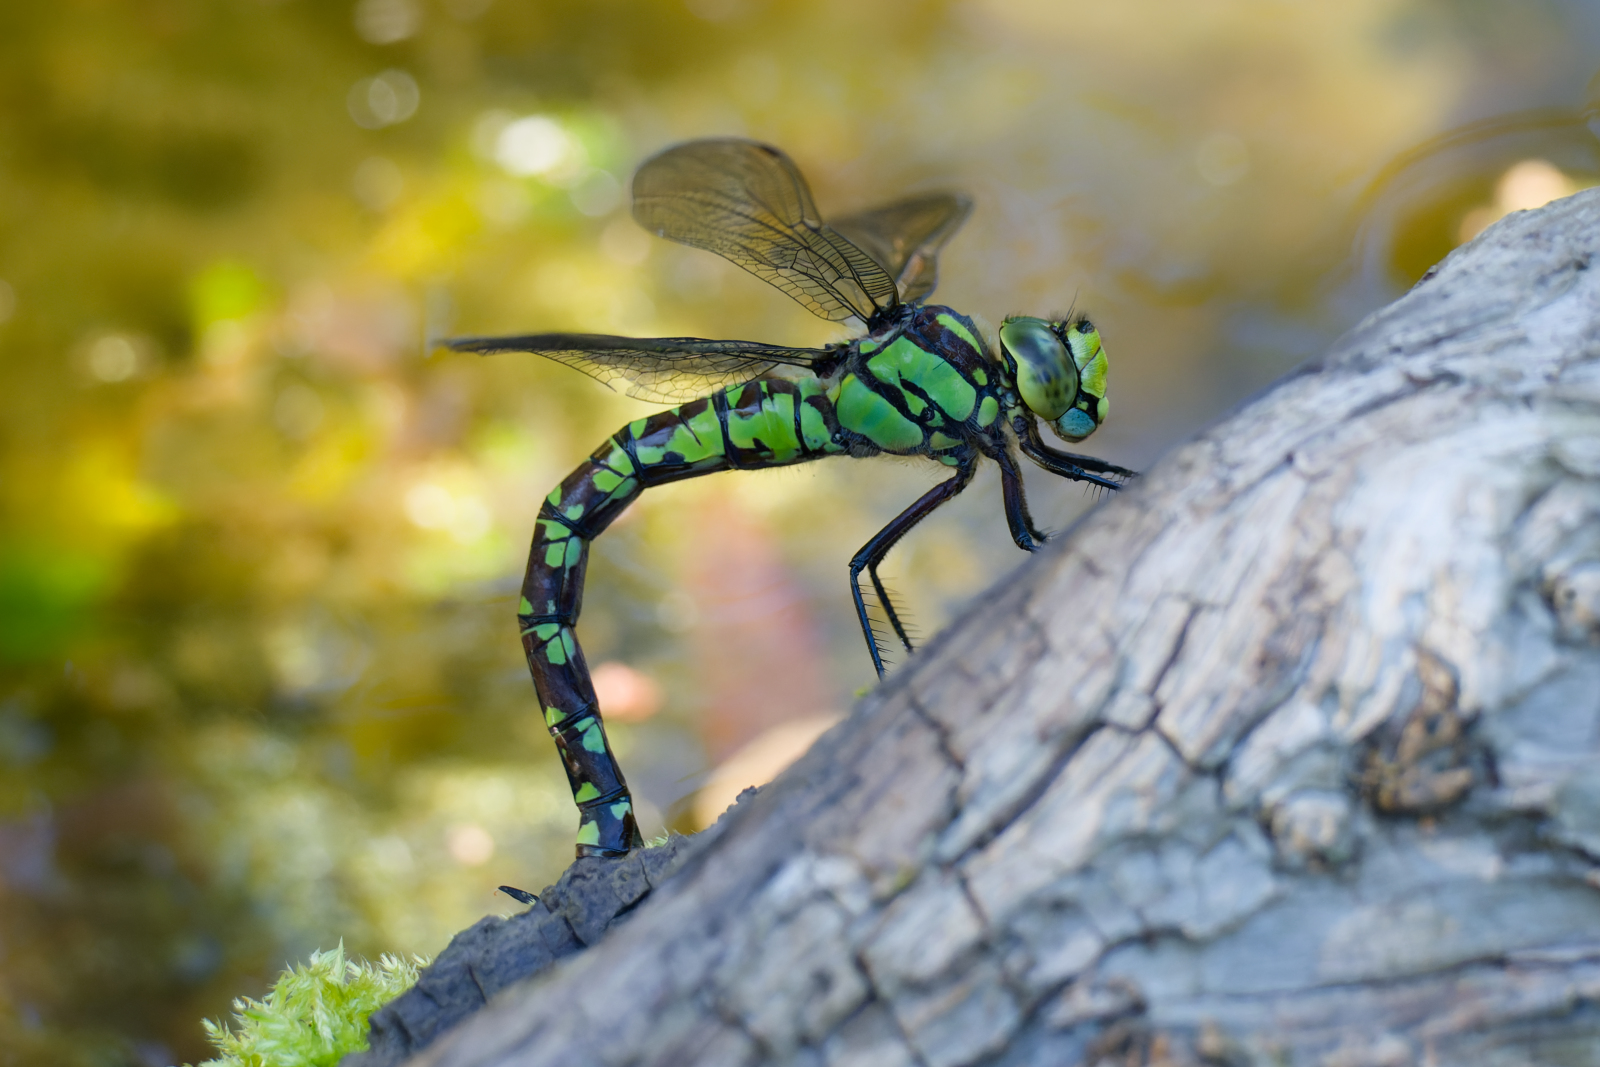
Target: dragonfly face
x: 1060, y: 372
x: 920, y: 382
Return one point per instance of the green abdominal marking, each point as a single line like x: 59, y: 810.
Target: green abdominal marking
x: 749, y: 426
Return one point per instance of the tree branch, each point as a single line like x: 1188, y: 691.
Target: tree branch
x: 1287, y: 754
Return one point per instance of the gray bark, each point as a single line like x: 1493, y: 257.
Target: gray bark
x: 1286, y: 754
x: 590, y: 898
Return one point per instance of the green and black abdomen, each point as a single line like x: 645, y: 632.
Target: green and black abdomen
x: 769, y: 423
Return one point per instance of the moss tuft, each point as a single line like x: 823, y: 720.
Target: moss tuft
x: 314, y: 1015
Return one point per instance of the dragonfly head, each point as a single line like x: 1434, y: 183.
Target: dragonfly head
x: 1060, y: 371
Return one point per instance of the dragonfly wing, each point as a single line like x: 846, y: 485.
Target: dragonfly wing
x: 666, y: 370
x: 906, y: 237
x: 748, y: 203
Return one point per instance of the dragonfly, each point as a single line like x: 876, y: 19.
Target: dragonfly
x: 920, y: 381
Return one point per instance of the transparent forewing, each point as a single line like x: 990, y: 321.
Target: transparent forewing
x: 666, y: 370
x: 906, y: 237
x: 748, y: 203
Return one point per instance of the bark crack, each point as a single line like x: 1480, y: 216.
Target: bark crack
x: 1028, y: 798
x: 1172, y: 657
x: 940, y: 730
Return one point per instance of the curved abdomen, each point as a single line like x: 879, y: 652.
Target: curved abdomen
x: 745, y: 427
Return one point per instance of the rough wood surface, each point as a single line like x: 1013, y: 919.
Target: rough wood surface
x: 591, y: 896
x: 1286, y: 755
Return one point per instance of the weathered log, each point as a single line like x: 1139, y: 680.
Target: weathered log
x: 591, y: 896
x: 1285, y: 755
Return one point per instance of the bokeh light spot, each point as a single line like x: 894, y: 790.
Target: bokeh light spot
x: 387, y: 21
x: 429, y: 505
x: 469, y: 844
x: 464, y: 516
x: 385, y: 100
x: 1529, y: 184
x: 114, y: 358
x: 625, y: 694
x: 536, y: 146
x: 486, y: 130
x: 315, y: 654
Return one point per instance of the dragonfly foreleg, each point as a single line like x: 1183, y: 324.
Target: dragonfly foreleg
x: 1012, y: 493
x: 873, y: 552
x: 1066, y: 464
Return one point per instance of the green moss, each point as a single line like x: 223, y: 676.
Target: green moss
x: 314, y: 1015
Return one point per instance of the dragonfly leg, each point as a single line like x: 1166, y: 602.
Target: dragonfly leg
x: 1066, y: 464
x: 888, y: 608
x: 1020, y: 523
x: 873, y: 551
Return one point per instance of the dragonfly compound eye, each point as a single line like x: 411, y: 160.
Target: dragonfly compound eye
x: 1090, y: 408
x: 1047, y: 378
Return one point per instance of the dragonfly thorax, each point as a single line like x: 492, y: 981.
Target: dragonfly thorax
x: 919, y: 385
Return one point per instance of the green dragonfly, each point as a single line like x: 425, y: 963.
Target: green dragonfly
x: 921, y: 381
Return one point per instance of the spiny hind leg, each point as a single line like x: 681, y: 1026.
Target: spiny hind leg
x: 873, y: 552
x: 887, y: 603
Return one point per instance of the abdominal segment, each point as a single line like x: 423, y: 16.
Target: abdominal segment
x: 769, y: 423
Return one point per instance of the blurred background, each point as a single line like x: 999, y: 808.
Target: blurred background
x: 260, y: 684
